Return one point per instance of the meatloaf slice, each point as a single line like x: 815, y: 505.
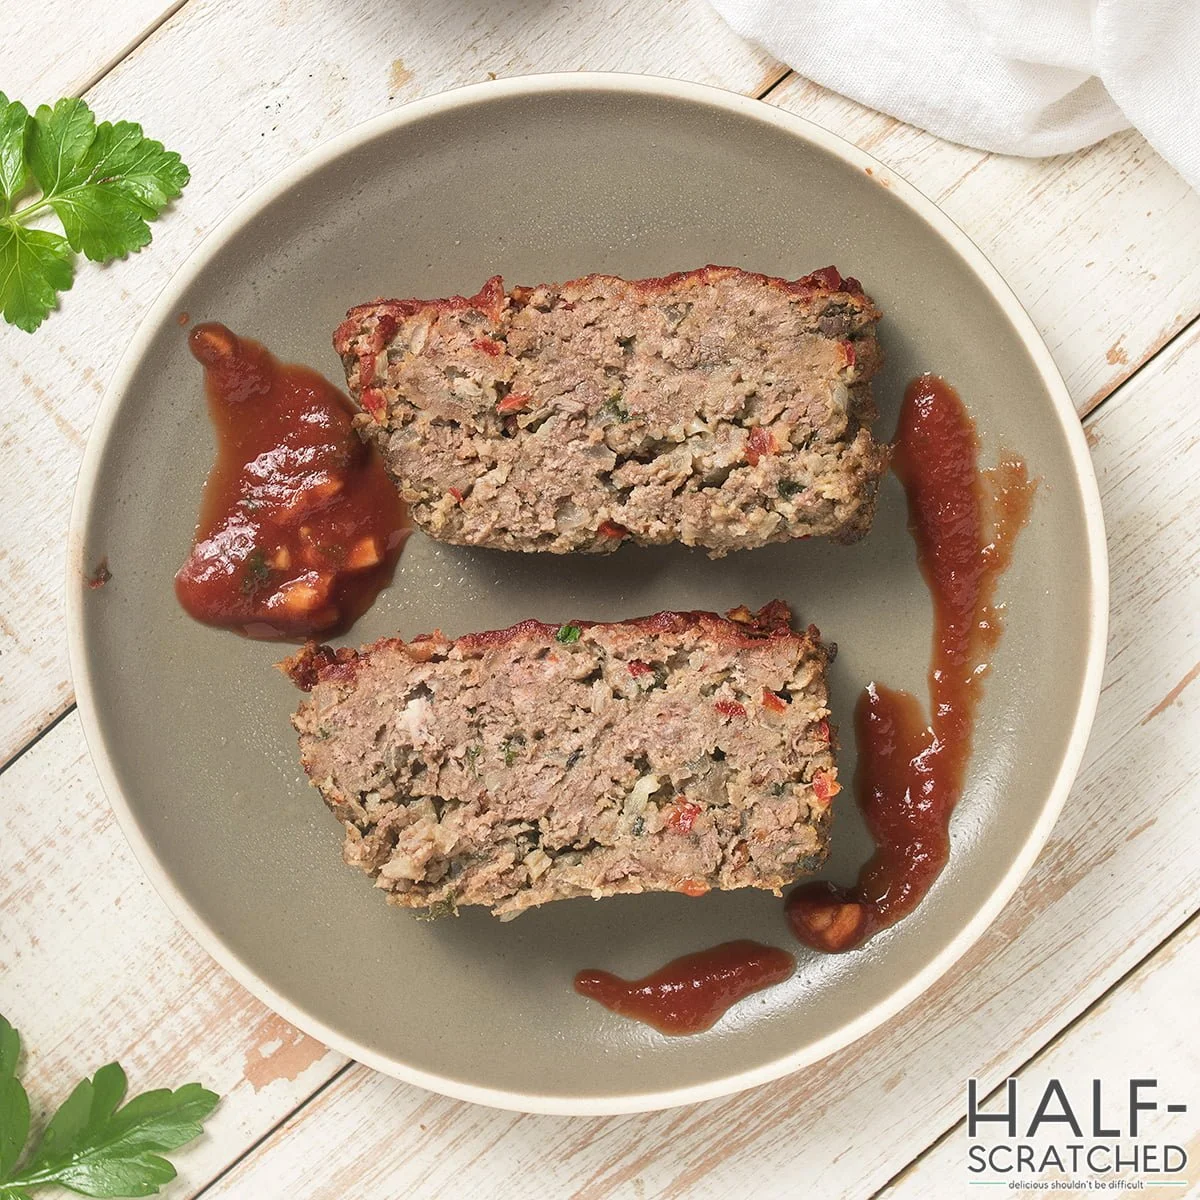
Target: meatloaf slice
x: 717, y: 408
x: 678, y: 752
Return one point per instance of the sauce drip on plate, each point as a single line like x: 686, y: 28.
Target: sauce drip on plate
x: 691, y: 993
x: 910, y: 770
x: 300, y: 527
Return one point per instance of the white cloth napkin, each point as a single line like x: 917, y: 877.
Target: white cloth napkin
x: 1031, y: 77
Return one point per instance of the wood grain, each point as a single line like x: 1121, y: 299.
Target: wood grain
x: 1134, y: 1033
x: 60, y: 47
x: 259, y: 108
x: 1095, y: 904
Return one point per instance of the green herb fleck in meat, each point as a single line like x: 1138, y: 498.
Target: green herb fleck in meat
x: 567, y: 634
x: 439, y: 908
x: 257, y: 573
x: 473, y: 753
x: 574, y: 758
x: 789, y: 488
x: 613, y: 409
x: 639, y: 827
x: 511, y: 747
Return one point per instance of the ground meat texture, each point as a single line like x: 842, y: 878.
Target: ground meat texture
x: 716, y: 408
x: 678, y: 752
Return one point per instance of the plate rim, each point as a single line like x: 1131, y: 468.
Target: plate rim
x: 653, y: 87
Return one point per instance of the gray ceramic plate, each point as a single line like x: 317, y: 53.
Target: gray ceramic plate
x: 545, y: 178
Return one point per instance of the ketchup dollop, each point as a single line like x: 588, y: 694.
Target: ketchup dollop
x: 300, y: 526
x: 911, y: 770
x: 690, y: 994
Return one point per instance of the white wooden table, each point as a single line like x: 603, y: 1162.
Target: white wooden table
x: 1094, y: 964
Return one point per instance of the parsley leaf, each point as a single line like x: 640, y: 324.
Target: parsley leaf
x: 14, y: 1104
x: 14, y: 125
x: 567, y: 634
x: 34, y: 267
x: 123, y: 157
x: 58, y: 141
x: 91, y: 1144
x: 123, y: 181
x: 104, y: 182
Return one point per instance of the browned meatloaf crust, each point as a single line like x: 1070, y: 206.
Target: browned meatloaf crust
x: 717, y: 408
x: 678, y: 752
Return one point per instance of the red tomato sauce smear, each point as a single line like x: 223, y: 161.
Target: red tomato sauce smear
x: 910, y: 770
x: 300, y: 526
x: 690, y: 994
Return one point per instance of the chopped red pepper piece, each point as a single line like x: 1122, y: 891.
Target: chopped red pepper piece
x: 637, y: 667
x: 374, y: 402
x: 488, y: 346
x: 773, y: 702
x: 458, y: 496
x: 826, y: 786
x: 848, y: 352
x: 730, y: 708
x: 611, y: 529
x: 513, y: 402
x: 823, y: 730
x: 759, y: 444
x: 683, y: 816
x: 692, y: 887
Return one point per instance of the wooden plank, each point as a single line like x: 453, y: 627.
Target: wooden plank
x: 1102, y: 246
x: 1097, y: 902
x: 290, y: 76
x: 1138, y: 1031
x: 60, y: 47
x: 94, y: 968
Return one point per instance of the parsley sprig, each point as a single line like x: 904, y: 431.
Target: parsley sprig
x: 91, y: 1145
x: 103, y: 182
